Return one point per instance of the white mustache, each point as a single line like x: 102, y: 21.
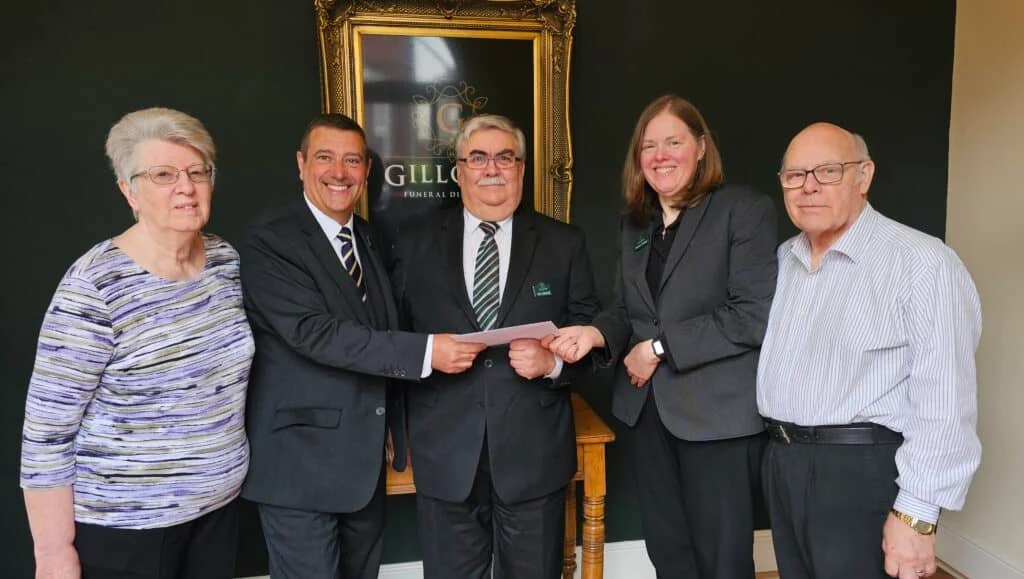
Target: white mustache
x: 491, y: 181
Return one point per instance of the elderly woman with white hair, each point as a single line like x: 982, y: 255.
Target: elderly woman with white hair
x: 134, y: 447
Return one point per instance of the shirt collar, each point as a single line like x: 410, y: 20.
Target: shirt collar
x: 853, y: 243
x: 471, y: 223
x: 331, y: 227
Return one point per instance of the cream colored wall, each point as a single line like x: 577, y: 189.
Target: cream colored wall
x: 985, y: 225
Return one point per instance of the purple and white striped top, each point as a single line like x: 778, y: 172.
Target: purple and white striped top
x: 137, y: 398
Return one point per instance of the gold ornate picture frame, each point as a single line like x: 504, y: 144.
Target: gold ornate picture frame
x: 507, y: 51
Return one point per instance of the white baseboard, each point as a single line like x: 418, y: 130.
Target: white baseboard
x: 622, y: 560
x: 971, y: 560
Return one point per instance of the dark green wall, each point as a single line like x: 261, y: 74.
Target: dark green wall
x: 758, y: 70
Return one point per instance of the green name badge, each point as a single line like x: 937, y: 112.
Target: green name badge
x: 541, y: 289
x: 641, y: 243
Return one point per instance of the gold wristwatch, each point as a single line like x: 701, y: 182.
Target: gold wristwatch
x: 922, y: 527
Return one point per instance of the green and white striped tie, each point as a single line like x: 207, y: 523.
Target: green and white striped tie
x: 486, y: 297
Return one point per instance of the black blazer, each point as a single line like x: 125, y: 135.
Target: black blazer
x: 529, y: 423
x: 318, y: 400
x: 716, y: 291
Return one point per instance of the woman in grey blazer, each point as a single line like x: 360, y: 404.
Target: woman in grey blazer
x: 695, y: 281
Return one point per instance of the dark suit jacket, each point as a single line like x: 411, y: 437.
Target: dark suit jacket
x: 716, y: 291
x: 529, y: 423
x: 317, y: 392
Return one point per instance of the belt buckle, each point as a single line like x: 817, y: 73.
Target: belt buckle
x: 785, y: 435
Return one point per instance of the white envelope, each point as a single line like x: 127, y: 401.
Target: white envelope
x: 500, y: 336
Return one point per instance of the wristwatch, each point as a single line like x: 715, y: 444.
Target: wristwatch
x: 659, y: 348
x: 922, y: 527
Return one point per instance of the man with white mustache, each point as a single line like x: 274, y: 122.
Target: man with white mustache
x: 867, y: 375
x: 320, y: 401
x: 494, y: 447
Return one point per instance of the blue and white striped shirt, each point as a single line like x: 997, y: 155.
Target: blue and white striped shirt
x: 884, y: 331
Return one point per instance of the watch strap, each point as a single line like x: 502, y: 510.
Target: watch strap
x: 922, y: 527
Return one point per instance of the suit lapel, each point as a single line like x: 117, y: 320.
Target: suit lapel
x: 321, y: 248
x: 451, y: 263
x: 688, y: 223
x: 377, y: 287
x: 635, y: 262
x: 524, y: 241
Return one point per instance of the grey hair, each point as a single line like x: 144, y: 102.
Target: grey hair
x: 159, y: 124
x: 860, y: 146
x: 481, y: 122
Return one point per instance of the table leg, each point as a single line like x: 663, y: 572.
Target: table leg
x: 569, y: 544
x: 593, y: 511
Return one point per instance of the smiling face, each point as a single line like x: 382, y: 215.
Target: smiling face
x: 182, y: 206
x: 490, y: 193
x: 669, y: 154
x: 334, y: 171
x: 825, y: 212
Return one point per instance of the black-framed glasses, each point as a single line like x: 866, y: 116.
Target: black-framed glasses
x: 168, y: 174
x: 504, y: 160
x: 824, y: 174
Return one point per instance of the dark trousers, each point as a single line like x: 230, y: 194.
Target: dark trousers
x: 696, y: 500
x: 315, y: 545
x: 459, y: 538
x: 200, y: 549
x: 827, y: 504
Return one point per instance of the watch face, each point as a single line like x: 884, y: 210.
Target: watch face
x: 924, y: 528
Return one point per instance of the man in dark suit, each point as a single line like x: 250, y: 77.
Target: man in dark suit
x: 493, y: 448
x: 324, y: 319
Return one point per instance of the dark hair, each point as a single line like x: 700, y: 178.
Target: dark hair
x: 331, y: 120
x: 641, y: 201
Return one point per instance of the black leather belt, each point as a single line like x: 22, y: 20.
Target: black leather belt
x: 859, y: 433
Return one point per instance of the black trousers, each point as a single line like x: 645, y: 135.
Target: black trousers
x: 827, y: 504
x: 315, y: 545
x: 200, y: 549
x: 696, y: 500
x: 459, y: 539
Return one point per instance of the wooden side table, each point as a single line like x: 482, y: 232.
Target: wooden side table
x: 591, y: 436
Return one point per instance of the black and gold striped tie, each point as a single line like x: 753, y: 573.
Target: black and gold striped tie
x: 486, y: 297
x: 349, y: 261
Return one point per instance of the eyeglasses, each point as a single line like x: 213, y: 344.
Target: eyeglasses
x: 503, y: 160
x: 168, y: 175
x: 824, y: 174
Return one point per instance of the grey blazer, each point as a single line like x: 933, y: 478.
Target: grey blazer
x: 712, y: 312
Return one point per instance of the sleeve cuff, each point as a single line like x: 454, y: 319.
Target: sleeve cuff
x: 428, y: 357
x: 915, y: 507
x: 557, y: 371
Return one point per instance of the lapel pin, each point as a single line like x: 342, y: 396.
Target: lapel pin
x: 641, y: 242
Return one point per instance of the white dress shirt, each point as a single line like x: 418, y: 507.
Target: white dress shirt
x: 884, y: 331
x: 332, y: 228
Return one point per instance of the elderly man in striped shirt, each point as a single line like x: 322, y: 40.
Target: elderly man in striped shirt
x: 867, y: 375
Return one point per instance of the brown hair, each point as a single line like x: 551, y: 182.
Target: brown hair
x: 641, y: 201
x: 330, y: 120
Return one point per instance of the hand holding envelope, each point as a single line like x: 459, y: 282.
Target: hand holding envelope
x: 527, y: 355
x: 574, y: 342
x: 451, y: 355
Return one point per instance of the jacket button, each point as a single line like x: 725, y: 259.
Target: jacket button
x: 480, y: 404
x: 655, y: 320
x: 488, y: 363
x: 380, y: 411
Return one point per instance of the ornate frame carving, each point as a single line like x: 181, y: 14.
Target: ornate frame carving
x: 549, y: 23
